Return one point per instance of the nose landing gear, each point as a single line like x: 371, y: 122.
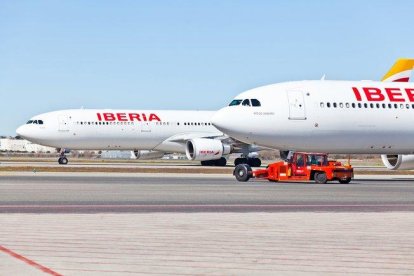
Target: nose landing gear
x: 62, y: 158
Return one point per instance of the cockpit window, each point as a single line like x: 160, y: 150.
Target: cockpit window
x: 35, y: 122
x: 255, y: 102
x: 246, y: 102
x: 235, y: 102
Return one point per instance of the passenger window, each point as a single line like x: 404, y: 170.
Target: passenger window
x: 353, y: 105
x: 328, y: 104
x: 322, y: 105
x: 389, y: 106
x: 235, y: 102
x: 334, y: 105
x: 255, y: 102
x: 395, y: 105
x: 347, y: 105
x: 359, y: 105
x: 371, y: 105
x: 246, y: 102
x: 365, y: 105
x: 407, y: 106
x: 384, y: 105
x: 341, y: 105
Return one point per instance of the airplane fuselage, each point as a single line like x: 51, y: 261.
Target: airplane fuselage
x: 98, y: 129
x: 325, y: 116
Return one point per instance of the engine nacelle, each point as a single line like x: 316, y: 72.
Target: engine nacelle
x: 203, y: 149
x: 398, y: 161
x: 146, y: 154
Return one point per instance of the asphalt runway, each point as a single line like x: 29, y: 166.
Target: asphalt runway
x: 141, y: 193
x: 203, y: 224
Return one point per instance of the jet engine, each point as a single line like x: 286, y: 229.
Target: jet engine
x: 398, y: 161
x: 146, y: 154
x: 203, y: 149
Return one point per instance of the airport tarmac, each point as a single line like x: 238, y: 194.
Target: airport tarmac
x: 192, y: 224
x: 92, y: 192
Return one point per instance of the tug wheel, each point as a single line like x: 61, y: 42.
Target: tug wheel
x: 320, y: 177
x: 242, y: 172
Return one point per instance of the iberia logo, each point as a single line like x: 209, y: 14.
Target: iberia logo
x: 209, y: 152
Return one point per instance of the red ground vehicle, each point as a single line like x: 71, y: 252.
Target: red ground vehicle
x: 302, y: 166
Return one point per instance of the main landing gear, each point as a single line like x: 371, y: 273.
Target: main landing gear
x: 252, y: 162
x: 218, y: 162
x: 62, y: 158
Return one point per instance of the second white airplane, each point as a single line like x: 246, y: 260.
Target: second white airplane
x: 348, y: 117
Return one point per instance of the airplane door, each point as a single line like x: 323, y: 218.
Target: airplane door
x: 297, y: 109
x: 63, y: 123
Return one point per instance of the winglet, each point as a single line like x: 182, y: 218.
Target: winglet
x: 400, y: 71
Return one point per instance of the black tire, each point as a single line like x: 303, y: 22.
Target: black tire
x: 60, y: 160
x: 239, y: 161
x: 242, y: 172
x: 345, y: 181
x: 320, y: 177
x: 63, y: 161
x: 220, y: 162
x: 258, y: 162
x: 207, y: 163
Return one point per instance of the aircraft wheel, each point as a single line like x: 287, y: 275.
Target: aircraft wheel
x: 242, y: 172
x: 239, y: 161
x: 63, y: 161
x: 220, y: 162
x: 345, y: 181
x: 207, y: 163
x: 320, y: 177
x: 254, y: 162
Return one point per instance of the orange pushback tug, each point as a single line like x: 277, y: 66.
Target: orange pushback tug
x: 302, y: 166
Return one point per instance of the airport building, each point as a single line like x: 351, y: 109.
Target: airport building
x: 9, y: 144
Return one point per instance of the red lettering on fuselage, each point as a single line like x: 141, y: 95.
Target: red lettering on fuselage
x: 109, y: 117
x: 357, y: 94
x: 375, y: 94
x: 121, y: 117
x: 125, y: 117
x: 394, y: 94
x: 134, y: 117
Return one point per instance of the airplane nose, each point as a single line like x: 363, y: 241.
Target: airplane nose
x: 22, y: 131
x: 220, y: 120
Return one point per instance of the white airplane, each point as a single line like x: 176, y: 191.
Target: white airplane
x: 348, y: 117
x: 148, y: 133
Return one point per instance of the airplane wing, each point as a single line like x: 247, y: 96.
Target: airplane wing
x: 238, y: 146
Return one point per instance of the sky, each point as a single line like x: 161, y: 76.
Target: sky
x: 185, y: 54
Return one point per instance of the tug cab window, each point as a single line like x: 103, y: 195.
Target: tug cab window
x: 255, y: 102
x: 235, y: 102
x: 246, y: 102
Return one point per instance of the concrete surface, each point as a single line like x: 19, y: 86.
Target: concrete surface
x: 211, y: 244
x: 173, y: 224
